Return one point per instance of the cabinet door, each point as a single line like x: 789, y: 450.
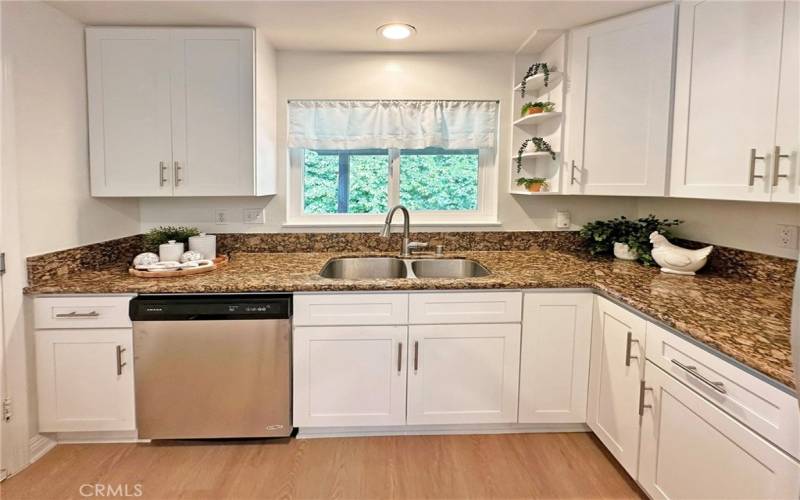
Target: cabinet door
x: 787, y: 135
x: 727, y: 52
x: 85, y: 380
x: 128, y: 78
x: 349, y: 376
x: 619, y: 104
x: 554, y: 367
x: 463, y: 374
x: 213, y: 111
x: 691, y: 449
x: 617, y: 363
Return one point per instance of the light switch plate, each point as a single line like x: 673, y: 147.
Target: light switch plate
x: 253, y: 215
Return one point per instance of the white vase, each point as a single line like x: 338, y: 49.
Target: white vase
x: 623, y: 251
x: 170, y: 251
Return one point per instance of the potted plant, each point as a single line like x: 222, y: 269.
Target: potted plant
x: 532, y: 108
x: 548, y: 106
x: 533, y: 184
x: 534, y: 70
x: 160, y: 235
x: 625, y: 238
x: 539, y: 145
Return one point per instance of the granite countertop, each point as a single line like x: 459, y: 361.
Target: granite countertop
x: 744, y: 319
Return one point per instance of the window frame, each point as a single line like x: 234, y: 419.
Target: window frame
x: 485, y: 215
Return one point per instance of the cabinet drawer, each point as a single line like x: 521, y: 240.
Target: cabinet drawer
x: 764, y: 408
x: 465, y: 307
x: 91, y: 311
x: 350, y: 309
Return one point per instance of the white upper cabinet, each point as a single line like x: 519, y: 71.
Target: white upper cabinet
x: 212, y: 111
x: 172, y: 112
x: 128, y: 77
x: 787, y: 134
x: 619, y: 97
x: 729, y: 53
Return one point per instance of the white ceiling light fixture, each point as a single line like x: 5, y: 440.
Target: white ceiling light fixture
x: 396, y: 31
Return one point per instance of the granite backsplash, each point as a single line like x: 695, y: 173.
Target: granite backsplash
x: 119, y: 252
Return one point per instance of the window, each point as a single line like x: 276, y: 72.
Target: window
x: 345, y: 182
x: 354, y: 186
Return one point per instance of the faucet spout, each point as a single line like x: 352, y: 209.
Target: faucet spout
x: 387, y: 228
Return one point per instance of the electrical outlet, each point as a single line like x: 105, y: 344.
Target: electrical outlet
x: 787, y: 236
x: 222, y: 216
x: 253, y: 215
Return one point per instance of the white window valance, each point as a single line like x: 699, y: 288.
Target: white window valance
x: 392, y: 124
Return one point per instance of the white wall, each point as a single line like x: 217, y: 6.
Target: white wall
x: 314, y: 75
x: 45, y: 181
x: 737, y: 224
x: 44, y: 53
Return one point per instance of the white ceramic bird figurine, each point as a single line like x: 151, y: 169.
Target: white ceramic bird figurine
x: 677, y: 260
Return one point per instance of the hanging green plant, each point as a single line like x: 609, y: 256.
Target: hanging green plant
x: 534, y: 70
x: 539, y: 144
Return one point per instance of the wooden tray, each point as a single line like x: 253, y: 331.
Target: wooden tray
x: 219, y: 261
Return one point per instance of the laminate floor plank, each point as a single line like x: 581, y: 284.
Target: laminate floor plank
x: 563, y: 466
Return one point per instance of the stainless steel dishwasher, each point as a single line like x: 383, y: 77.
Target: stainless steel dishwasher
x: 212, y: 366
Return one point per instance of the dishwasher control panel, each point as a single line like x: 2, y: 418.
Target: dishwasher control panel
x: 210, y: 307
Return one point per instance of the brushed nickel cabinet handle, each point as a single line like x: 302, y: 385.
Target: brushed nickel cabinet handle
x: 76, y: 314
x: 753, y: 176
x: 692, y: 370
x: 628, y: 343
x: 776, y: 166
x: 642, y: 389
x: 162, y: 169
x: 120, y: 364
x: 572, y: 174
x: 178, y: 169
x: 416, y: 355
x: 399, y: 357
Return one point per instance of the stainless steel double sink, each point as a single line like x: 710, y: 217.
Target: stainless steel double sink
x: 356, y: 268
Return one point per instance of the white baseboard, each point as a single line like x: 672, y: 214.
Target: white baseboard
x: 97, y: 437
x: 40, y: 445
x: 420, y: 430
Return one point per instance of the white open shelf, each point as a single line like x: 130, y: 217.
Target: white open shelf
x: 536, y: 118
x: 536, y: 82
x: 525, y: 192
x: 536, y: 154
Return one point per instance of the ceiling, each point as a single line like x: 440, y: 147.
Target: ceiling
x: 442, y: 26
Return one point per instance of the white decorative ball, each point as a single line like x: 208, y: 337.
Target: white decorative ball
x: 191, y: 256
x: 145, y: 259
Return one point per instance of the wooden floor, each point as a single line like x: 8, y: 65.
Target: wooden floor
x: 509, y: 466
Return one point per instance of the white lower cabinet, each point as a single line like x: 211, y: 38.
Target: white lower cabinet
x: 463, y: 374
x: 349, y: 376
x: 693, y: 450
x: 85, y: 380
x: 617, y: 365
x: 554, y: 365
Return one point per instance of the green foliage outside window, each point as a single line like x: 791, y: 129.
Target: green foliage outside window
x: 447, y: 181
x: 439, y: 181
